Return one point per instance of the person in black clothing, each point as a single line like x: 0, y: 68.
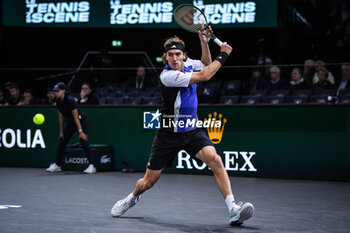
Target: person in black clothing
x: 140, y: 81
x: 297, y: 82
x: 257, y: 81
x: 344, y: 83
x: 276, y: 82
x: 50, y: 97
x: 323, y: 82
x: 15, y: 95
x: 309, y: 71
x: 87, y: 97
x: 28, y: 98
x: 75, y: 121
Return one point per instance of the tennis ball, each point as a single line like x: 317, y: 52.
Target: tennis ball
x: 38, y: 119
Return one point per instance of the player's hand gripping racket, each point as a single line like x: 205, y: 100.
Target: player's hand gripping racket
x: 191, y: 18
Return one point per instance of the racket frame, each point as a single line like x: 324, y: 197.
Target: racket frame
x: 206, y: 26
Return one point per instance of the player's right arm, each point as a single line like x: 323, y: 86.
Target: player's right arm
x: 60, y: 120
x: 209, y: 71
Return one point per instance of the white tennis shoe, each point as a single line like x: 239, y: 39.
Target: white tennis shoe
x: 90, y: 169
x: 53, y: 168
x: 123, y: 205
x: 240, y: 213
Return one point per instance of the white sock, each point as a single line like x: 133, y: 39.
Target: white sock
x: 230, y: 202
x: 131, y: 197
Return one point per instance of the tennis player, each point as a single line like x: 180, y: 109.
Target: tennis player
x: 178, y: 84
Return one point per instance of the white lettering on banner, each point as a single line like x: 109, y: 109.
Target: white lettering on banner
x: 168, y: 123
x: 4, y: 137
x: 57, y: 12
x: 180, y: 159
x: 19, y: 143
x: 247, y: 162
x: 76, y: 160
x: 161, y: 12
x: 195, y: 164
x: 228, y: 13
x: 231, y: 161
x: 9, y: 138
x: 53, y: 12
x: 143, y: 13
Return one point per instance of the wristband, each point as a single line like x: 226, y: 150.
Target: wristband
x: 80, y: 131
x: 222, y: 57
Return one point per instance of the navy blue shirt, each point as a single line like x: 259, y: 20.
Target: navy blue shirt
x: 66, y: 106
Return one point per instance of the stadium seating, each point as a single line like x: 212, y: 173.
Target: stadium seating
x: 250, y: 99
x: 297, y: 99
x: 229, y: 99
x: 273, y: 99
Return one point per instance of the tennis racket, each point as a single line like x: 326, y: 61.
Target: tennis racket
x: 191, y: 18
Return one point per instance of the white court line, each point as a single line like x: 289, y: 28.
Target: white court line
x: 3, y: 207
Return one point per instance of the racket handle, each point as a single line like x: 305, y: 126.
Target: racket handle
x: 218, y: 42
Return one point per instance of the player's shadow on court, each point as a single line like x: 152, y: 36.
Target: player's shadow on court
x: 62, y: 173
x: 204, y: 228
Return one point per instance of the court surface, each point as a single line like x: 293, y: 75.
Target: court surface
x: 74, y: 202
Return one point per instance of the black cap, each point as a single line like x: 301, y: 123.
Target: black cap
x: 59, y: 86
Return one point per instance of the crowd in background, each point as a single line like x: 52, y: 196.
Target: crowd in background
x: 314, y: 77
x: 10, y: 95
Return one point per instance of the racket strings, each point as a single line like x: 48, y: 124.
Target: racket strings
x: 190, y: 18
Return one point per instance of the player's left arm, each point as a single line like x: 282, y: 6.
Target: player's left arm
x: 82, y: 135
x: 206, y: 55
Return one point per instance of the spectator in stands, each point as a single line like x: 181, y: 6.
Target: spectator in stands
x: 297, y: 81
x: 15, y: 95
x: 87, y: 97
x: 139, y: 81
x: 2, y: 96
x: 276, y: 82
x: 318, y: 65
x: 309, y: 71
x: 28, y: 98
x: 323, y: 82
x: 50, y: 97
x: 257, y: 81
x: 345, y: 77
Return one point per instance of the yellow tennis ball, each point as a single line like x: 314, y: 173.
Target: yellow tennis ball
x: 38, y: 119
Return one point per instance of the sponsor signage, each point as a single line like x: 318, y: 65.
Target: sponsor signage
x: 232, y: 161
x: 75, y: 158
x: 134, y: 14
x: 18, y: 138
x: 254, y: 142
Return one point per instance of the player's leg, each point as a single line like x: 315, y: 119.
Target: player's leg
x: 164, y: 149
x: 143, y: 184
x: 68, y: 132
x: 238, y: 212
x: 209, y: 156
x: 147, y: 182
